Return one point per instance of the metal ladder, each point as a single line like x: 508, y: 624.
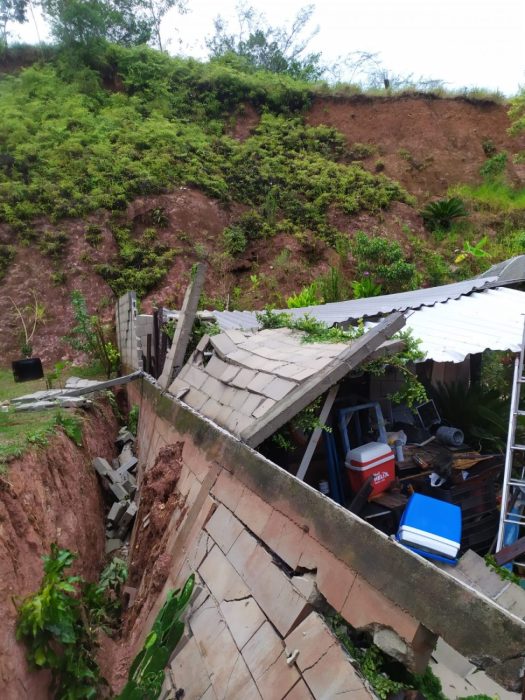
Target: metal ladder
x: 513, y: 493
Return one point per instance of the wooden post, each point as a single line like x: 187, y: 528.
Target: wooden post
x: 175, y: 356
x: 314, y: 438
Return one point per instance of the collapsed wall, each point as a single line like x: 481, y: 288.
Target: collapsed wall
x: 269, y: 552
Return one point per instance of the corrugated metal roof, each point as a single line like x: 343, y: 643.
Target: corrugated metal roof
x: 492, y: 319
x: 355, y: 309
x: 509, y: 271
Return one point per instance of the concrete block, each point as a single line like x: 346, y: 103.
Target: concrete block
x: 251, y: 404
x: 263, y: 408
x: 224, y: 528
x: 223, y: 344
x: 194, y: 376
x: 312, y: 639
x: 124, y: 438
x: 188, y: 670
x: 119, y: 491
x: 265, y: 656
x: 279, y: 388
x: 112, y: 545
x: 128, y: 516
x: 196, y: 399
x: 128, y: 466
x: 216, y: 367
x: 221, y: 578
x: 243, y: 617
x: 260, y: 381
x: 129, y: 483
x: 284, y: 538
x: 334, y: 579
x: 253, y: 511
x: 221, y: 659
x: 126, y: 454
x: 243, y: 378
x: 101, y: 466
x: 334, y: 676
x: 299, y: 692
x: 116, y: 512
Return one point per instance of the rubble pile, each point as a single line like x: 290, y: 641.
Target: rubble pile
x: 118, y: 479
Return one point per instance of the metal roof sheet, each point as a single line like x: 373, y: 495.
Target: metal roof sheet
x: 492, y: 319
x: 355, y: 309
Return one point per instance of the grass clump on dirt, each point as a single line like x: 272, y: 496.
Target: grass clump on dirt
x: 20, y: 432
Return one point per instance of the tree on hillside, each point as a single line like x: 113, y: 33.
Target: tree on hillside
x: 11, y: 11
x: 85, y: 22
x: 156, y: 10
x: 259, y: 46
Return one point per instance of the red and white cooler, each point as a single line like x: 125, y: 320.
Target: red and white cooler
x: 373, y: 459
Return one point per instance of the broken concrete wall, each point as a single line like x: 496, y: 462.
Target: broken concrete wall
x: 266, y: 548
x: 126, y: 329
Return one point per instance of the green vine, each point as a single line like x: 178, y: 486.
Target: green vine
x: 503, y: 573
x: 411, y: 393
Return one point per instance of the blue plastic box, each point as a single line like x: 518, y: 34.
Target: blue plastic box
x: 432, y: 528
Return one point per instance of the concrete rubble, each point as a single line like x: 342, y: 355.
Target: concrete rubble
x: 118, y: 479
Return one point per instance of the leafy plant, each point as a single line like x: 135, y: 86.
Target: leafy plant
x: 133, y: 419
x: 503, y: 573
x: 90, y: 336
x: 439, y: 216
x: 473, y: 251
x: 494, y: 166
x: 308, y: 296
x: 234, y: 240
x: 366, y: 287
x: 51, y: 624
x: 146, y: 673
x: 71, y: 425
x: 30, y: 317
x: 481, y: 413
x: 383, y: 261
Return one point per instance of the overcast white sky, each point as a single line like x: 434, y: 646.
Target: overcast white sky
x: 462, y: 42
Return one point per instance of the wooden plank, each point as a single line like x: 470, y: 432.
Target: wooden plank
x: 314, y: 438
x: 337, y: 369
x: 510, y: 552
x: 175, y: 356
x: 360, y: 499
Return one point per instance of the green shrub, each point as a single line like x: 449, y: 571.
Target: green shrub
x: 53, y: 243
x: 234, y: 240
x: 59, y: 624
x: 93, y: 235
x: 365, y: 288
x: 438, y: 216
x: 7, y: 255
x: 494, y: 166
x: 308, y: 296
x: 384, y: 262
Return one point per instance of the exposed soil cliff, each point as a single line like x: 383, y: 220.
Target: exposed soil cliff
x: 49, y: 495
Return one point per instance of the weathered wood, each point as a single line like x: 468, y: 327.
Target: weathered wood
x: 175, y: 356
x: 510, y: 552
x: 339, y: 367
x: 361, y: 497
x: 314, y: 438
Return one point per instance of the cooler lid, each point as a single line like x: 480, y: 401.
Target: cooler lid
x: 431, y: 515
x: 368, y: 452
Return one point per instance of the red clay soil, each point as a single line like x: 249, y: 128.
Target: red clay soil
x: 149, y: 563
x: 427, y: 144
x: 49, y: 495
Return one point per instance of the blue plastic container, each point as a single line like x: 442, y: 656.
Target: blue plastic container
x: 431, y: 527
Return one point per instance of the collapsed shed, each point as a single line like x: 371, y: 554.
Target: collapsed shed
x: 253, y: 382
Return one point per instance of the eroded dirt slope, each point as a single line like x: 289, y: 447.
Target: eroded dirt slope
x: 49, y: 495
x: 427, y: 144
